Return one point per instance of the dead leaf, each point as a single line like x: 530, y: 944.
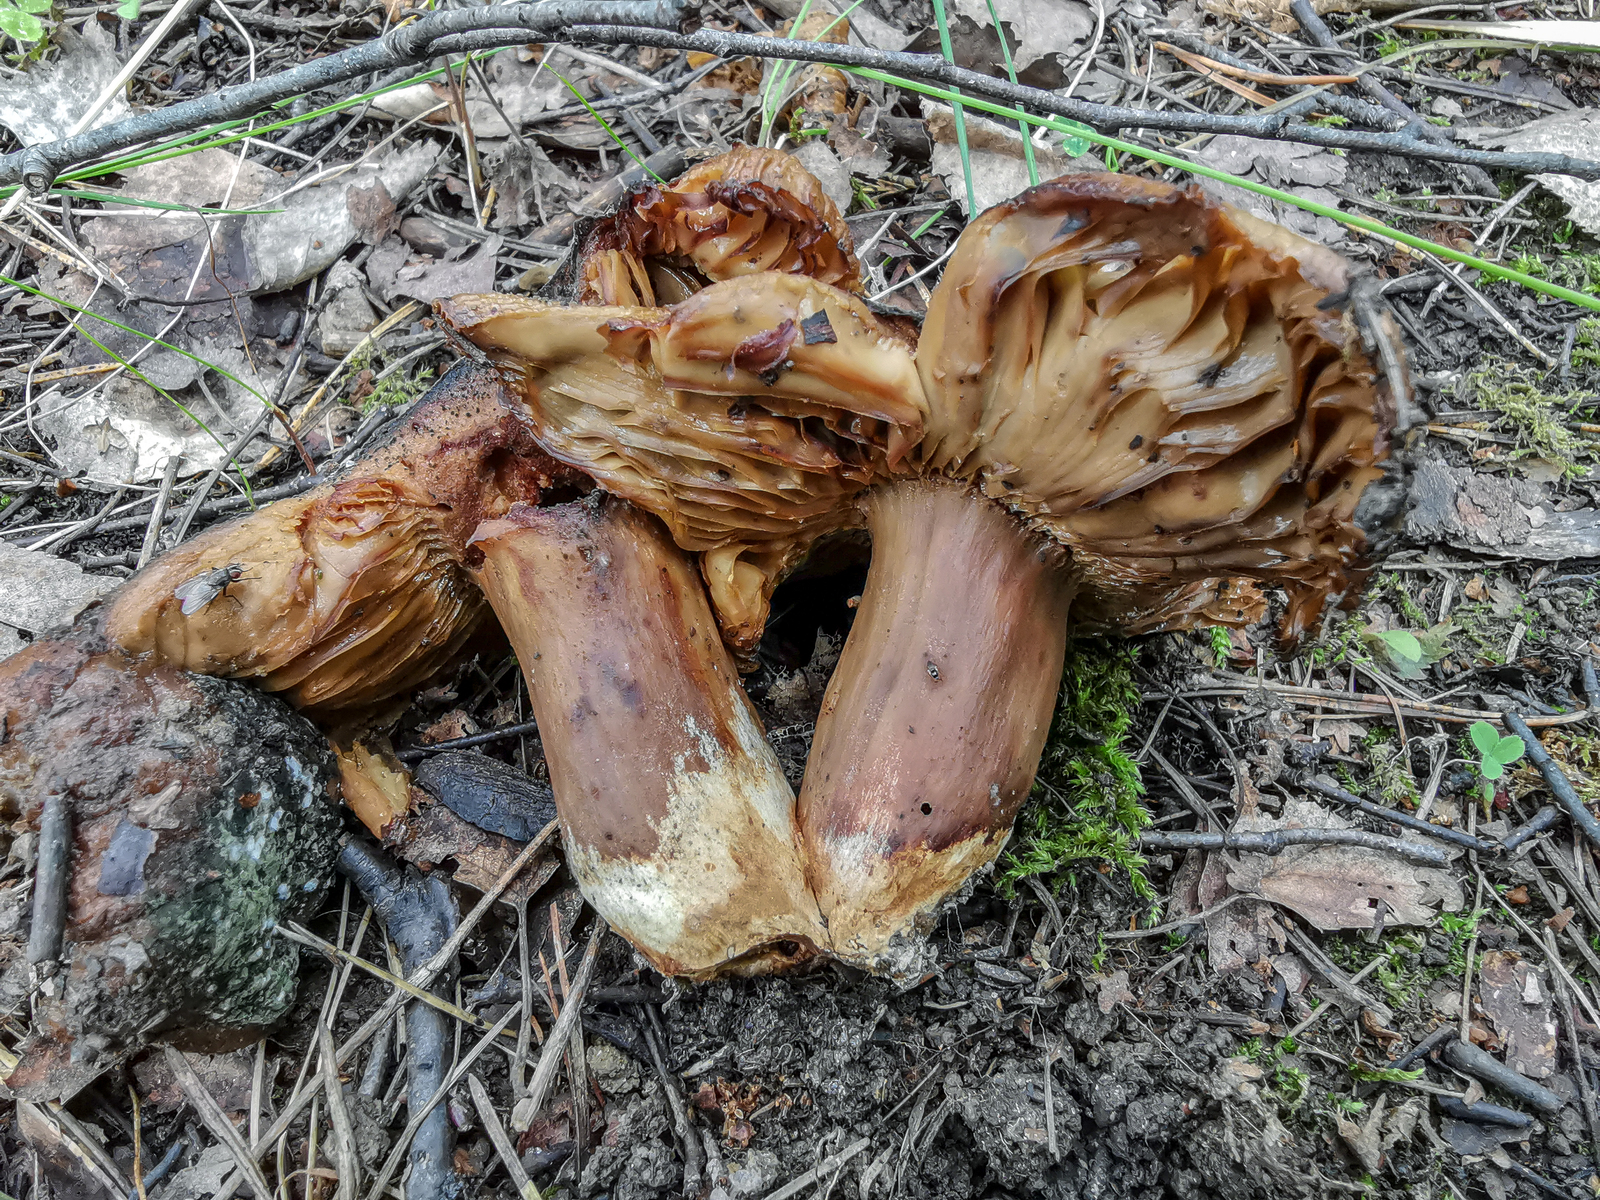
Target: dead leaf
x: 1514, y: 997
x: 1576, y: 133
x: 1341, y: 887
x: 468, y: 269
x: 1366, y: 1140
x: 1113, y: 990
x: 431, y: 835
x: 999, y: 170
x: 45, y: 102
x: 1340, y: 731
x: 373, y: 211
x: 1308, y: 171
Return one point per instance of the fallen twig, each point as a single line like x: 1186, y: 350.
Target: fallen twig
x: 419, y: 914
x: 1555, y: 779
x: 1405, y: 820
x: 1106, y: 118
x: 497, y: 1137
x: 1368, y: 704
x: 1478, y: 1063
x: 817, y: 1173
x: 1537, y: 824
x: 213, y: 1118
x: 36, y: 167
x: 1278, y: 840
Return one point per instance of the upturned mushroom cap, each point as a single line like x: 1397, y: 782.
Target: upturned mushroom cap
x: 743, y: 212
x: 744, y: 417
x: 353, y: 592
x: 1152, y: 378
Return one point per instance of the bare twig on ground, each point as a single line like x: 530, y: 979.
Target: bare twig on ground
x: 1105, y: 118
x: 36, y: 167
x: 1555, y: 778
x: 1278, y: 840
x: 214, y: 1119
x: 1443, y: 832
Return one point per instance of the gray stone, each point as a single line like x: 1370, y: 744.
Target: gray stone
x: 39, y: 592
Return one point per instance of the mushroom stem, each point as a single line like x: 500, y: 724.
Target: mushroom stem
x: 932, y: 726
x: 676, y: 818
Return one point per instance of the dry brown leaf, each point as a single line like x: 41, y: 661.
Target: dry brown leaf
x: 1341, y: 887
x: 1514, y: 997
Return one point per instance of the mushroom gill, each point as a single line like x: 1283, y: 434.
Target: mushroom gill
x: 1134, y: 394
x: 353, y: 592
x: 744, y: 417
x: 741, y: 213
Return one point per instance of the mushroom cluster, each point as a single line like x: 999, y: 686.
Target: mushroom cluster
x: 1127, y: 408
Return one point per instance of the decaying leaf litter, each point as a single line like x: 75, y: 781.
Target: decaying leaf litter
x: 1253, y: 1031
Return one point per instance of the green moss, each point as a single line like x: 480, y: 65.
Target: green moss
x: 1536, y: 418
x: 1395, y: 786
x: 1085, y: 806
x: 397, y: 390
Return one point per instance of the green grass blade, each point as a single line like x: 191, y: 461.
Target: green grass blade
x: 777, y: 83
x: 139, y: 333
x: 606, y: 125
x: 960, y: 113
x: 1011, y: 71
x: 1365, y: 224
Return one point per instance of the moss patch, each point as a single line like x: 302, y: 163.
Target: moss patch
x: 1085, y: 805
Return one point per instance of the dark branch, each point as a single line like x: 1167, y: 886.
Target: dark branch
x: 1276, y: 841
x: 37, y: 166
x: 1555, y: 779
x: 1405, y: 820
x: 1107, y: 118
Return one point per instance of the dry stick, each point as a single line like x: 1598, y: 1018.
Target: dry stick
x: 152, y: 531
x: 50, y: 882
x: 36, y: 167
x: 344, y: 1137
x: 832, y: 1163
x: 1278, y: 840
x: 300, y: 935
x: 693, y: 1162
x: 1537, y: 824
x: 422, y: 977
x: 1555, y: 779
x: 214, y: 1119
x: 1367, y: 704
x: 1570, y: 1025
x: 497, y: 1137
x: 1319, y: 32
x: 392, y: 1163
x: 1443, y: 832
x: 560, y: 1035
x: 1107, y: 118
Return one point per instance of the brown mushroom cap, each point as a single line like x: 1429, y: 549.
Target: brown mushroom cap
x: 1148, y: 377
x: 744, y: 212
x: 744, y: 417
x: 353, y: 592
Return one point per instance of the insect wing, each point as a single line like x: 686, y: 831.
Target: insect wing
x: 196, y: 593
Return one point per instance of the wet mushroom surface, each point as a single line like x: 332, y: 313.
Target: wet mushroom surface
x: 1130, y: 404
x: 1129, y: 407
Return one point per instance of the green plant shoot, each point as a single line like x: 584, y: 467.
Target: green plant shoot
x: 1495, y: 754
